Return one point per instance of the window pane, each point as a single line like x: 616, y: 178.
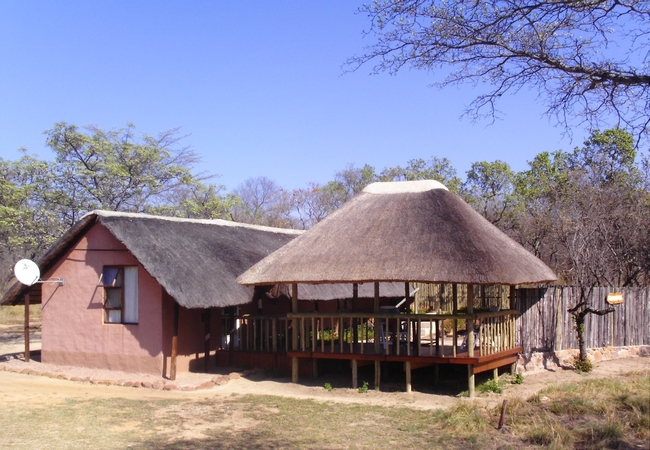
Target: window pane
x: 131, y: 294
x: 114, y: 316
x: 112, y: 276
x: 113, y: 298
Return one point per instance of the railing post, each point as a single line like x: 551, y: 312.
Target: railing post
x: 469, y: 323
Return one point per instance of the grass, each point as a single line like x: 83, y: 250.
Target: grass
x: 15, y: 315
x: 602, y: 413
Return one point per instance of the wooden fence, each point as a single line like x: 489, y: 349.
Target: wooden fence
x: 545, y: 325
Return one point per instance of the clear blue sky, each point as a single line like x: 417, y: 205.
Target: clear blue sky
x: 258, y: 86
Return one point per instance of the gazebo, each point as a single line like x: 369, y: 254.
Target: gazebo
x: 411, y: 232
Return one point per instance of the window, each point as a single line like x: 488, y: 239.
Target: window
x: 120, y: 294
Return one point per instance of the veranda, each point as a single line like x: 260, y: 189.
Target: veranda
x: 481, y: 338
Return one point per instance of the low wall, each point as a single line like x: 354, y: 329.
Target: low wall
x: 563, y: 359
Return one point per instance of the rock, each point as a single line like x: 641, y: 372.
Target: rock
x: 234, y: 376
x: 206, y: 385
x: 170, y: 387
x: 158, y: 384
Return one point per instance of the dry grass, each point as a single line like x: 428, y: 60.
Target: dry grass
x: 14, y: 315
x: 603, y: 413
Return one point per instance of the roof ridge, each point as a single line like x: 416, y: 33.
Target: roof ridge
x: 219, y: 222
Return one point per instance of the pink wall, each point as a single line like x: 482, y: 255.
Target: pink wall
x: 73, y: 328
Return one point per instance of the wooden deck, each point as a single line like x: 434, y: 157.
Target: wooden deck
x: 417, y: 340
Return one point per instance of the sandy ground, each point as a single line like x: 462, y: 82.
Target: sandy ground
x: 34, y: 382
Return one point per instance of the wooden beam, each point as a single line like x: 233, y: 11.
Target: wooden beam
x: 470, y: 381
x: 454, y: 294
x: 27, y: 349
x: 172, y: 370
x: 377, y: 375
x: 407, y: 368
x: 206, y: 339
x: 355, y: 374
x: 294, y: 333
x: 470, y: 320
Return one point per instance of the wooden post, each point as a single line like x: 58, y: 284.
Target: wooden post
x: 407, y: 291
x: 377, y: 332
x: 294, y: 332
x: 454, y: 294
x: 27, y: 349
x: 355, y: 374
x: 469, y: 322
x: 495, y: 374
x: 407, y: 367
x: 206, y: 339
x: 355, y: 322
x: 377, y: 375
x: 172, y: 370
x: 502, y: 418
x: 470, y: 380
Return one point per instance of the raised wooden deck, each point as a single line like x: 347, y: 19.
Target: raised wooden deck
x: 417, y: 340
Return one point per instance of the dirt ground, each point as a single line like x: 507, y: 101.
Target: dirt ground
x: 43, y: 386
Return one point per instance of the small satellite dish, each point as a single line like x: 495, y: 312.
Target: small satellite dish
x: 27, y: 272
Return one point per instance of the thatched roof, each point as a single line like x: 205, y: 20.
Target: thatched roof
x: 196, y: 261
x: 403, y: 231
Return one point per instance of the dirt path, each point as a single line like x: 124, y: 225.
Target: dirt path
x: 27, y: 388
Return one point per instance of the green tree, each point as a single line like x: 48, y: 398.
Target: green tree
x: 439, y: 169
x: 586, y: 59
x: 490, y: 189
x: 586, y: 214
x: 28, y: 223
x: 116, y: 170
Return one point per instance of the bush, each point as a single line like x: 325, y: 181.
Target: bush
x: 584, y: 366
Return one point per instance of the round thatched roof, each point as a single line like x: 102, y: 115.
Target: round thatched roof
x: 402, y: 231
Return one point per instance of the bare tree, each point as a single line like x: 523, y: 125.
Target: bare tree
x: 586, y: 58
x: 262, y: 202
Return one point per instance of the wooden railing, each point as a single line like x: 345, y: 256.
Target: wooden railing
x: 372, y: 333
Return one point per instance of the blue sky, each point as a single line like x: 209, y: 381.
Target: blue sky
x: 257, y: 86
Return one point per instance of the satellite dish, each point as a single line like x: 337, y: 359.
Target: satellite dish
x: 27, y: 272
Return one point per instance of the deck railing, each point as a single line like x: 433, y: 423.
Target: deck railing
x: 372, y: 333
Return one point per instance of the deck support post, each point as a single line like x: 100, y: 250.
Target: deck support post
x: 172, y: 368
x: 495, y: 374
x: 27, y: 349
x: 470, y: 380
x: 355, y: 374
x: 377, y: 375
x: 294, y: 332
x: 407, y: 368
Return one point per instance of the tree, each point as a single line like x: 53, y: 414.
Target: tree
x: 439, y: 169
x: 489, y: 188
x: 261, y: 201
x: 198, y: 201
x: 27, y: 222
x: 115, y: 170
x: 590, y: 210
x: 586, y: 59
